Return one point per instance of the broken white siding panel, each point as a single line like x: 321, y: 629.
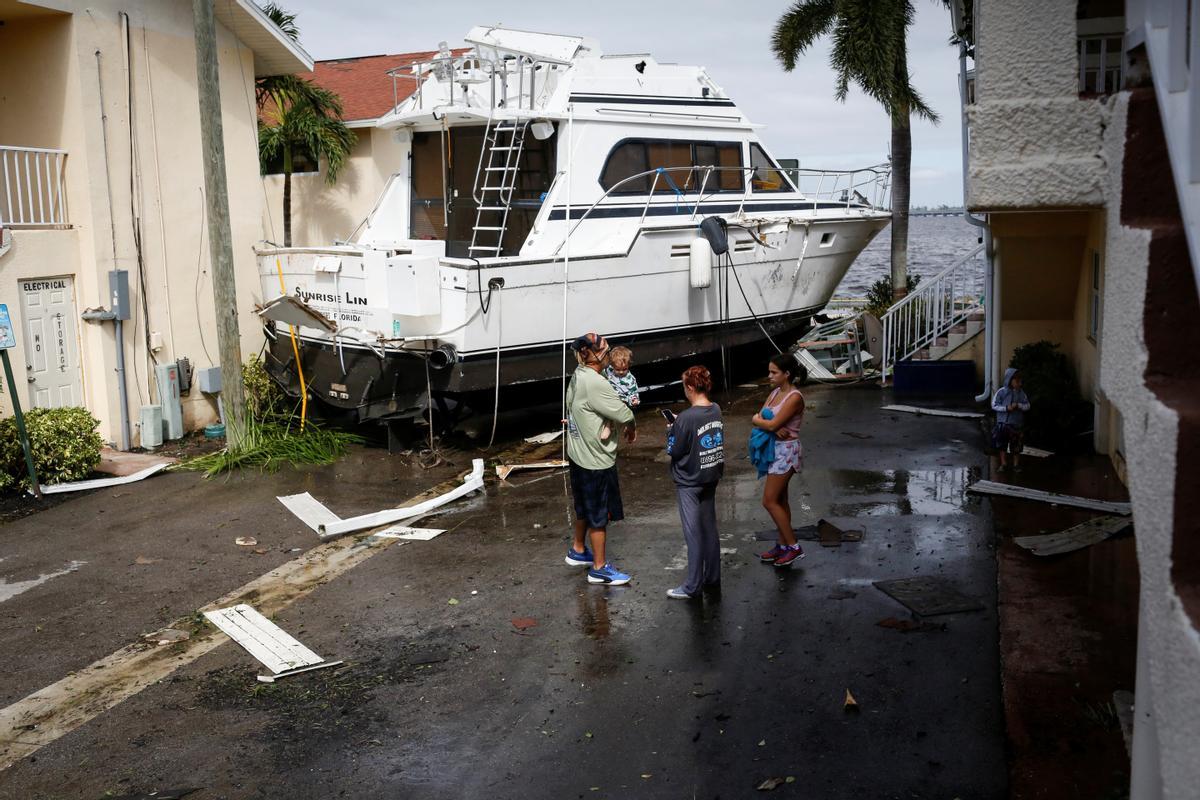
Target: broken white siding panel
x: 102, y: 483
x: 410, y: 534
x: 1078, y: 537
x: 472, y: 482
x: 266, y: 641
x: 935, y: 412
x: 311, y: 511
x: 1024, y: 493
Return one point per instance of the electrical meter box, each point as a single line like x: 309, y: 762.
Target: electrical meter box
x: 118, y: 290
x: 167, y: 376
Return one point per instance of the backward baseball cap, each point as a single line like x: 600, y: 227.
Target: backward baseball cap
x: 590, y: 344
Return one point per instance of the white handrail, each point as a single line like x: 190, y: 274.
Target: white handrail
x: 33, y: 187
x: 928, y: 312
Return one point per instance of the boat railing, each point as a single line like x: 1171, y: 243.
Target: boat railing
x: 849, y: 187
x: 667, y: 181
x: 930, y: 311
x: 501, y: 72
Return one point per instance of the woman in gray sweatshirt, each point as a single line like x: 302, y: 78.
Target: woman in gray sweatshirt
x: 696, y: 444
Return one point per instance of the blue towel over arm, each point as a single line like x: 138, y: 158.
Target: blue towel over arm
x: 762, y: 446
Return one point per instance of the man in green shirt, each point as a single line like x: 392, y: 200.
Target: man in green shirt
x: 594, y: 410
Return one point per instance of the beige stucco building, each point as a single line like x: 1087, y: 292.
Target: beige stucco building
x: 100, y: 169
x: 1089, y: 204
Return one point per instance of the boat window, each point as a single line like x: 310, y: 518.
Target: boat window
x: 767, y: 176
x: 681, y: 158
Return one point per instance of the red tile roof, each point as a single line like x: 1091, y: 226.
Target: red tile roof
x: 363, y: 82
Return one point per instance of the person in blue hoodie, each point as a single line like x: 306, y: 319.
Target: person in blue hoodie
x: 1010, y: 405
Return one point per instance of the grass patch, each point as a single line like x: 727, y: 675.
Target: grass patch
x: 268, y: 446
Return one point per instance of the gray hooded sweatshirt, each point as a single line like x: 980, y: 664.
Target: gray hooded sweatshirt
x: 1005, y: 397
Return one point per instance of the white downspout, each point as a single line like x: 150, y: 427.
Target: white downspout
x: 991, y: 300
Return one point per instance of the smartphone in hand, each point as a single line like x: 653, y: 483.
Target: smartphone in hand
x: 668, y: 415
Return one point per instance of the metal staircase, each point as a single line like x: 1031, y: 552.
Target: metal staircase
x: 496, y: 181
x: 937, y: 317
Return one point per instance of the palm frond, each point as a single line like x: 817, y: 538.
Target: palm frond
x: 283, y: 20
x: 800, y: 26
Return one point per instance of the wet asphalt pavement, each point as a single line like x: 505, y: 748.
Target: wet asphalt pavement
x: 612, y: 691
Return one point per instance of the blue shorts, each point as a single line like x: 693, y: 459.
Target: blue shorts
x: 597, y: 495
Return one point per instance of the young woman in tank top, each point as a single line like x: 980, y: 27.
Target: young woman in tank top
x: 787, y: 409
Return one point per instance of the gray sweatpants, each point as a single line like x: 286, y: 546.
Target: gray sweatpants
x: 698, y: 513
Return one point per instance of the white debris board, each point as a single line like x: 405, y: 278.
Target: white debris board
x: 1024, y: 493
x: 102, y: 483
x: 1075, y: 538
x: 311, y: 511
x: 266, y: 641
x: 935, y: 412
x: 411, y: 534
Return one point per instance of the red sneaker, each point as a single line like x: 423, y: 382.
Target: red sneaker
x: 772, y: 554
x: 789, y: 555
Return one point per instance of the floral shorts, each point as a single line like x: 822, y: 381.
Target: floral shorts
x: 789, y: 456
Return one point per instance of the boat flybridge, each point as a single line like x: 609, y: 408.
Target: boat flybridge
x: 546, y: 189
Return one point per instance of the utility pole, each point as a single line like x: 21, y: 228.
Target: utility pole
x: 220, y: 243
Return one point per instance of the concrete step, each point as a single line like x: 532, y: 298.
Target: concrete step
x: 955, y: 340
x: 937, y: 352
x: 974, y: 327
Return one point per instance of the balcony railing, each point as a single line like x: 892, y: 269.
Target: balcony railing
x: 32, y: 187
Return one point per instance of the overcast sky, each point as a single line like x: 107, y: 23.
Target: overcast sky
x: 802, y: 119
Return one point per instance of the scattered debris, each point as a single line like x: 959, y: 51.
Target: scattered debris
x: 410, y: 534
x: 504, y: 470
x: 1123, y: 704
x: 1036, y: 452
x: 245, y: 541
x: 770, y: 784
x: 857, y: 435
x: 309, y: 510
x: 267, y: 642
x: 842, y: 594
x: 808, y: 533
x: 935, y: 412
x: 1078, y: 537
x: 453, y: 601
x: 831, y: 535
x: 1024, y: 493
x: 143, y: 561
x: 523, y: 623
x: 120, y: 463
x: 545, y: 438
x: 850, y: 704
x: 908, y: 625
x: 100, y: 483
x: 472, y: 482
x: 928, y: 597
x: 162, y: 794
x: 167, y: 636
x: 294, y: 311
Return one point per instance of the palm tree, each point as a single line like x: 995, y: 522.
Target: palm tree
x: 870, y: 50
x: 295, y: 117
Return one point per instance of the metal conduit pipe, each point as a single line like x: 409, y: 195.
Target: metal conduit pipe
x: 991, y: 304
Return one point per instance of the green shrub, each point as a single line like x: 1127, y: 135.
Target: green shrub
x: 1057, y: 410
x: 265, y: 400
x: 879, y: 296
x: 64, y: 442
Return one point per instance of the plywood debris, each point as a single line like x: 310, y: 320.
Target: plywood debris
x: 280, y: 653
x: 1078, y: 537
x: 1025, y: 493
x: 935, y: 412
x: 504, y: 470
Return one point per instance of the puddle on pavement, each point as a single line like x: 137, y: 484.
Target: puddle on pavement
x: 10, y: 590
x: 900, y: 492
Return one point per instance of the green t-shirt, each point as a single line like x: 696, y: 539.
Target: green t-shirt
x: 591, y: 401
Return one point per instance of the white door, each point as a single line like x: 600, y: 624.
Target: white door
x: 51, y: 342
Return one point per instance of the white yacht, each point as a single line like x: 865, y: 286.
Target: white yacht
x: 551, y: 189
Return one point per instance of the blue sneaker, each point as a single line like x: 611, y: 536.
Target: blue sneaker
x: 608, y: 574
x: 574, y: 559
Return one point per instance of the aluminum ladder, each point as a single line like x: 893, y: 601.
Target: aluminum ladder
x: 495, y: 182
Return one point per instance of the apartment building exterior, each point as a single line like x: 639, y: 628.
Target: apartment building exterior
x: 100, y: 169
x: 1082, y: 159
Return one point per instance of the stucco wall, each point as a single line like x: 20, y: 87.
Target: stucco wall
x: 1034, y: 142
x: 167, y: 176
x: 1167, y: 726
x: 323, y: 213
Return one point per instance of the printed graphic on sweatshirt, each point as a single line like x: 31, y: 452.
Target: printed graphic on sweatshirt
x: 710, y: 438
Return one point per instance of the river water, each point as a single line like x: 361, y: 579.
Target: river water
x: 933, y: 244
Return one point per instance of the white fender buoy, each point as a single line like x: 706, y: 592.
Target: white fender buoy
x: 700, y: 258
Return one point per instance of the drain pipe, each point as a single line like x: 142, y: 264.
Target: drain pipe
x: 991, y: 300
